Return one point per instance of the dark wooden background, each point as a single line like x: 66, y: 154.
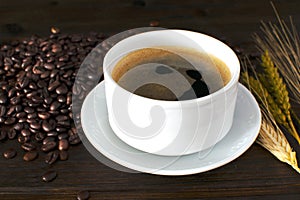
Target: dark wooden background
x: 256, y: 174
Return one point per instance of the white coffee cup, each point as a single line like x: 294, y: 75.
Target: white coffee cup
x: 171, y: 128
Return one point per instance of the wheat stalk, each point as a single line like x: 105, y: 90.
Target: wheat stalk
x: 271, y: 136
x: 283, y: 45
x: 273, y: 139
x: 277, y: 88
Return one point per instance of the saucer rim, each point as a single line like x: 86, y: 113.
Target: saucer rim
x: 179, y: 172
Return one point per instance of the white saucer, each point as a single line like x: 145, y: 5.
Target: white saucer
x: 241, y: 136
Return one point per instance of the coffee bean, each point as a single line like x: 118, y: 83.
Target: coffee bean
x: 52, y: 86
x: 21, y: 115
x: 24, y: 83
x: 11, y: 134
x: 74, y: 139
x: 83, y: 195
x: 48, y: 146
x: 35, y: 125
x: 30, y: 155
x: 2, y: 110
x: 61, y: 118
x: 11, y: 110
x: 49, y: 176
x: 44, y: 115
x: 48, y: 100
x: 63, y: 155
x: 3, y: 98
x: 39, y: 136
x: 18, y: 108
x: 28, y: 110
x: 18, y: 126
x: 2, y: 119
x: 63, y: 144
x: 15, y: 100
x: 28, y: 146
x: 22, y: 139
x: 62, y: 89
x: 10, y: 153
x: 47, y: 126
x: 49, y: 66
x: 25, y: 132
x: 61, y: 99
x: 63, y: 136
x: 10, y: 121
x: 32, y: 116
x: 52, y: 134
x: 55, y: 105
x: 51, y: 157
x: 61, y: 129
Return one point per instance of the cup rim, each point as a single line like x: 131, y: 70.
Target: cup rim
x: 205, y: 99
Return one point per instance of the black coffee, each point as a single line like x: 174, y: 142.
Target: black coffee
x: 171, y: 73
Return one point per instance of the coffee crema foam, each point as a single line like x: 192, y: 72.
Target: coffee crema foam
x: 171, y: 73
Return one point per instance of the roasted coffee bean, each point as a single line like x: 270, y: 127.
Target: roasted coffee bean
x: 47, y: 126
x: 18, y: 108
x: 74, y: 139
x: 35, y: 125
x: 2, y: 110
x: 49, y: 66
x: 63, y: 155
x: 44, y: 115
x: 24, y: 83
x: 32, y: 116
x: 63, y: 144
x: 52, y: 134
x: 18, y: 126
x: 21, y: 115
x: 49, y: 176
x: 11, y: 134
x: 28, y: 146
x: 28, y: 110
x: 33, y: 130
x: 48, y: 139
x: 3, y: 98
x: 10, y: 121
x: 48, y: 146
x: 22, y: 139
x: 30, y: 155
x: 83, y: 195
x: 2, y: 119
x: 25, y: 132
x: 12, y: 92
x: 62, y: 89
x: 41, y: 84
x: 30, y: 120
x: 51, y: 157
x: 10, y: 153
x: 37, y: 99
x: 61, y: 118
x: 32, y: 86
x: 11, y: 110
x: 48, y: 100
x: 62, y: 136
x: 61, y: 129
x: 52, y: 86
x: 15, y: 100
x: 55, y: 105
x: 61, y: 99
x: 39, y: 136
x: 64, y: 123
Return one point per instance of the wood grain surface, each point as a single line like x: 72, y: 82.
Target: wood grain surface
x: 255, y: 175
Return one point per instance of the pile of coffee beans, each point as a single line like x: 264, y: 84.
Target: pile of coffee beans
x: 36, y: 80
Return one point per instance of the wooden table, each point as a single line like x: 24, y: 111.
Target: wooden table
x: 256, y: 174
